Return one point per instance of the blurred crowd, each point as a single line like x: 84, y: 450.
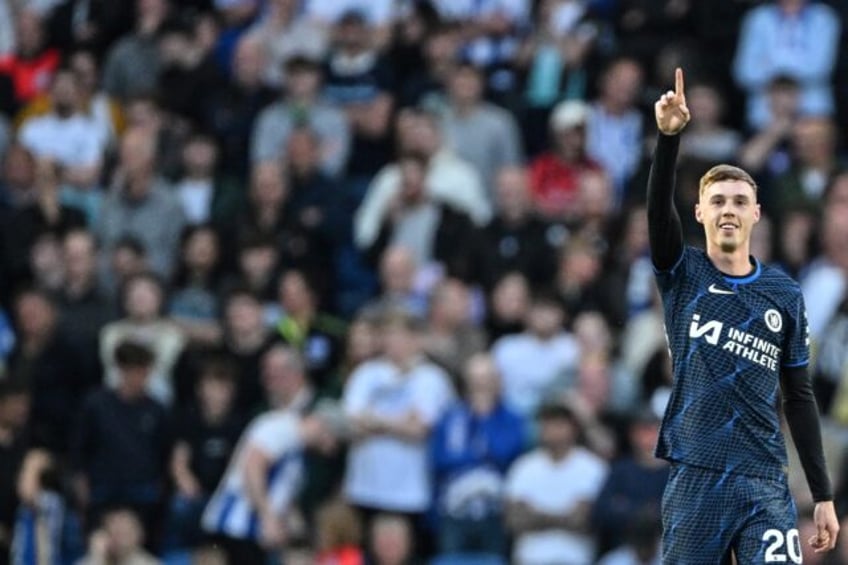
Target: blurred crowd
x: 367, y: 281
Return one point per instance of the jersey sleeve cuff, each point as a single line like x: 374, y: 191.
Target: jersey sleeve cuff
x: 802, y: 363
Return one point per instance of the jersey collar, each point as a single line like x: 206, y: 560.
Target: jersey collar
x: 749, y: 278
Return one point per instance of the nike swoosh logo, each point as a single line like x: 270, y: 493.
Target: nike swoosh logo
x: 715, y: 290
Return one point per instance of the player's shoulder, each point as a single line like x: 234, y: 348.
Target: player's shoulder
x: 774, y: 277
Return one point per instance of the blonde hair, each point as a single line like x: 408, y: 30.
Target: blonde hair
x: 721, y: 173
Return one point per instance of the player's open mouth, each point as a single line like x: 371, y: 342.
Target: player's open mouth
x: 726, y: 227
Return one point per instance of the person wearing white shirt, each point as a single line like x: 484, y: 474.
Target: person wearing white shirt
x: 392, y: 403
x: 549, y: 492
x: 66, y: 134
x: 250, y: 510
x: 532, y: 362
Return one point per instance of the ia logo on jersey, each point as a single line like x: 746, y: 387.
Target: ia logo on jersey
x: 774, y: 321
x: 711, y: 330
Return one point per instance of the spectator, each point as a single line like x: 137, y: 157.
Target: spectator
x: 767, y: 151
x: 554, y: 175
x: 44, y: 215
x: 517, y: 239
x: 359, y: 80
x: 14, y: 443
x: 204, y: 194
x: 379, y: 14
x: 127, y: 259
x: 30, y: 67
x: 246, y: 339
x: 339, y: 535
x: 484, y: 135
x: 509, y: 304
x: 252, y: 512
x: 286, y: 32
x: 614, y: 126
x: 642, y: 546
x: 317, y: 335
x: 95, y: 103
x: 49, y: 367
x: 257, y: 263
x: 391, y: 537
x: 798, y: 38
x: 708, y: 139
x: 578, y: 279
x: 433, y: 231
x: 142, y: 204
x: 123, y: 443
x: 425, y: 85
x: 16, y: 180
x: 815, y: 162
x: 45, y: 525
x: 400, y: 284
x: 473, y: 445
x: 205, y: 437
x: 451, y: 336
x: 142, y: 302
x: 90, y: 26
x: 67, y: 135
x: 302, y: 106
x: 393, y: 402
x: 449, y: 179
x: 550, y: 491
x: 119, y: 540
x: 193, y: 303
x: 83, y: 308
x: 231, y: 112
x: 634, y: 486
x: 530, y: 362
x: 133, y: 63
x: 145, y: 112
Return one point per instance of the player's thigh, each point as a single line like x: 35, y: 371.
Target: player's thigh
x: 770, y: 535
x: 698, y: 518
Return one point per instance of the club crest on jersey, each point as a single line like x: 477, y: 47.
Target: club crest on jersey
x: 774, y: 321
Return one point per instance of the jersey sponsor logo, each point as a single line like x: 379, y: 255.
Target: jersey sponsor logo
x: 710, y: 331
x: 736, y: 341
x: 774, y: 321
x: 713, y: 289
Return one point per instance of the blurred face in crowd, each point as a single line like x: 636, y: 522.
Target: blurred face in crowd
x: 441, y: 48
x: 303, y: 82
x: 138, y: 158
x: 545, y: 319
x: 593, y: 332
x: 124, y: 531
x: 557, y: 434
x: 45, y: 259
x: 127, y: 261
x: 18, y: 167
x: 35, y: 316
x: 363, y: 342
x: 482, y: 383
x: 64, y: 93
x: 512, y: 193
x: 282, y: 376
x: 451, y: 303
x: 636, y: 231
x: 134, y: 380
x: 511, y: 297
x: 397, y: 270
x: 257, y: 263
x: 143, y: 299
x: 643, y: 437
x: 593, y: 380
x: 417, y: 132
x: 835, y: 234
x: 268, y: 187
x: 621, y: 85
x: 199, y: 157
x: 244, y: 315
x: 15, y: 410
x: 352, y: 35
x: 595, y: 196
x: 248, y: 61
x: 837, y: 194
x: 29, y: 32
x: 143, y: 113
x: 814, y: 140
x: 84, y: 66
x: 466, y: 86
x: 295, y: 294
x: 705, y: 103
x: 400, y: 344
x: 216, y: 395
x: 783, y: 100
x: 304, y: 151
x: 391, y: 539
x: 201, y: 250
x: 580, y: 264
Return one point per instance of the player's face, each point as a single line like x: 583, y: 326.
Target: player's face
x: 728, y: 210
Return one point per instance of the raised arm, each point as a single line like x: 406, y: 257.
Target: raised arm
x: 664, y: 227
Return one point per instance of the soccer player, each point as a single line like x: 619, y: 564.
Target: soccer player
x: 737, y: 334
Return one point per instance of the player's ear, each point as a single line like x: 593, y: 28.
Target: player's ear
x: 698, y: 214
x: 756, y: 213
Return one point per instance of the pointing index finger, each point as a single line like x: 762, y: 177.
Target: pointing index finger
x: 678, y: 81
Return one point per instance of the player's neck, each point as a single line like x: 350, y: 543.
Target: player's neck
x: 736, y: 263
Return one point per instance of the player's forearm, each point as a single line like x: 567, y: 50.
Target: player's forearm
x: 664, y: 228
x: 802, y: 416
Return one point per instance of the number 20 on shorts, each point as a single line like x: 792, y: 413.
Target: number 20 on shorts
x: 782, y: 548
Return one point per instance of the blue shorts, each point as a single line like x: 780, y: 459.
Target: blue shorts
x: 707, y: 514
